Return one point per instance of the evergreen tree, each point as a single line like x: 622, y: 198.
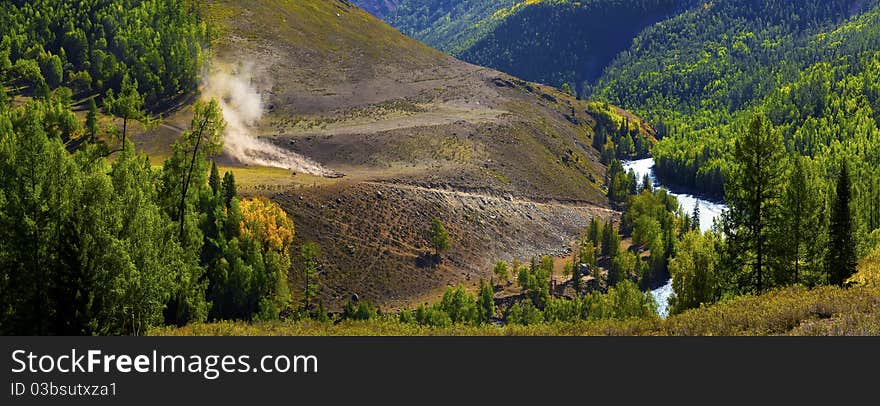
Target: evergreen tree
x: 594, y: 232
x: 214, y: 179
x: 486, y: 302
x: 647, y: 184
x: 754, y: 189
x: 610, y: 241
x: 802, y: 206
x: 695, y: 217
x: 841, y: 259
x: 439, y: 238
x: 229, y: 189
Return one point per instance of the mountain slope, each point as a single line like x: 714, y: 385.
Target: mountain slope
x: 548, y: 41
x: 809, y: 66
x: 699, y: 75
x: 507, y: 165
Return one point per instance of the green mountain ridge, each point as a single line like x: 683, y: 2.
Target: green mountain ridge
x: 547, y: 41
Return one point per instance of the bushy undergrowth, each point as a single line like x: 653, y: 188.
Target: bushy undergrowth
x: 789, y: 311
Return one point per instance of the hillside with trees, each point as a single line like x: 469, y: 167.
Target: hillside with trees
x: 434, y: 196
x: 554, y: 42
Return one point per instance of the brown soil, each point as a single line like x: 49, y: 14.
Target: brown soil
x: 505, y: 164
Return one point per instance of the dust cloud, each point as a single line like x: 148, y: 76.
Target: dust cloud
x: 242, y: 106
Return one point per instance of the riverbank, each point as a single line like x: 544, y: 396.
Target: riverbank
x: 710, y: 211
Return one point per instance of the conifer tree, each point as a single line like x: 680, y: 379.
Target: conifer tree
x: 841, y: 259
x: 754, y: 188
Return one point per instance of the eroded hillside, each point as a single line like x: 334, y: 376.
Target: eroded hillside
x: 507, y: 165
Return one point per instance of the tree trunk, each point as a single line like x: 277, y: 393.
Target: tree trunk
x: 182, y: 209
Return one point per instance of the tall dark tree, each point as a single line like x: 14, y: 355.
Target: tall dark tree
x: 214, y: 179
x: 841, y: 260
x: 695, y: 217
x: 754, y: 188
x: 229, y: 189
x: 802, y: 205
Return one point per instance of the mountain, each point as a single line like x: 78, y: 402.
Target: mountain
x: 551, y: 42
x: 505, y: 164
x: 809, y: 67
x: 696, y: 70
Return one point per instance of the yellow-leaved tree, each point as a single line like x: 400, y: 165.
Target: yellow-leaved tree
x: 270, y: 232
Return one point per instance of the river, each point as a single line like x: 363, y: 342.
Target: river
x: 709, y: 211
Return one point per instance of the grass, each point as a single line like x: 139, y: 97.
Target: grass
x: 789, y: 311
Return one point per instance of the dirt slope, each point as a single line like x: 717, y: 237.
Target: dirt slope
x: 505, y: 164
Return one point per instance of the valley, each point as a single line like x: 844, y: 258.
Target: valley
x: 617, y: 167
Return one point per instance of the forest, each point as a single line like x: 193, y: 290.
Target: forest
x: 93, y: 238
x: 548, y: 41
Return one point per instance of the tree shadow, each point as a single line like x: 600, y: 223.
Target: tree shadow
x: 428, y: 260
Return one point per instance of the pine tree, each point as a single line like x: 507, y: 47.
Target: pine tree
x: 754, y: 188
x: 610, y: 241
x: 594, y: 233
x: 439, y: 237
x: 647, y: 184
x: 229, y: 188
x: 486, y: 302
x: 841, y: 259
x: 801, y: 208
x: 214, y: 179
x: 695, y: 217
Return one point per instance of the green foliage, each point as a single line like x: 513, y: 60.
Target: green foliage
x: 809, y: 67
x: 550, y: 41
x: 158, y: 42
x: 790, y: 311
x: 803, y: 242
x: 841, y: 260
x: 535, y: 280
x: 524, y: 313
x: 128, y: 105
x: 361, y: 310
x: 485, y: 302
x: 754, y: 190
x: 696, y: 278
x: 92, y: 121
x: 610, y: 241
x: 309, y: 253
x: 86, y: 245
x: 501, y: 271
x: 620, y: 184
x: 96, y: 248
x: 439, y: 238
